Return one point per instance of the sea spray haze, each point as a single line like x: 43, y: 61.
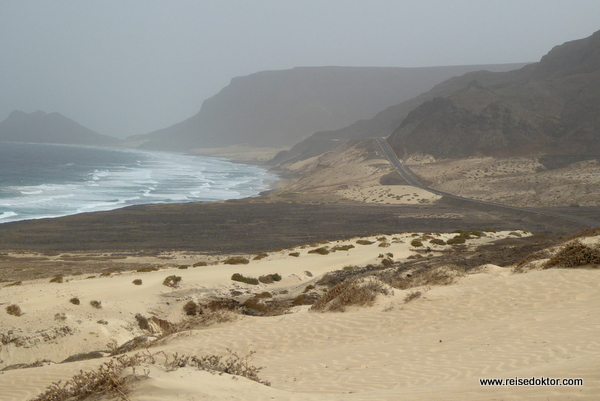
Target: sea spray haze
x: 39, y: 180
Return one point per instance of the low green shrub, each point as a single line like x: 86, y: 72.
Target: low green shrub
x: 236, y: 261
x: 198, y: 264
x: 437, y: 241
x: 416, y: 243
x: 295, y: 254
x: 456, y: 240
x: 364, y: 242
x: 243, y: 279
x: 137, y: 281
x: 320, y: 251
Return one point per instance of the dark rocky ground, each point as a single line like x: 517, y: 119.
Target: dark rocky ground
x: 250, y: 226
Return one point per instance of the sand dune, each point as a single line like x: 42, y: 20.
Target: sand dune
x: 492, y: 323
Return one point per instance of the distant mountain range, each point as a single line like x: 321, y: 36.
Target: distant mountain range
x: 41, y: 127
x: 552, y: 106
x: 281, y: 108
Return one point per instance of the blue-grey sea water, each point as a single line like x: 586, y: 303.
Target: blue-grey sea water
x: 40, y: 180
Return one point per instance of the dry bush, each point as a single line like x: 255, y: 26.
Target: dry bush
x: 295, y: 254
x: 198, y: 264
x: 443, y: 275
x: 364, y: 242
x: 142, y: 322
x: 527, y: 262
x: 358, y: 292
x: 96, y: 304
x: 233, y: 365
x: 57, y: 279
x: 75, y: 301
x: 208, y: 318
x: 260, y: 256
x: 256, y: 306
x: 16, y: 283
x: 172, y: 281
x: 412, y: 296
x: 574, y: 254
x: 137, y: 281
x: 14, y: 310
x: 107, y: 379
x: 270, y: 278
x: 236, y: 261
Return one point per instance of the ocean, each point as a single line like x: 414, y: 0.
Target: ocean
x: 40, y: 180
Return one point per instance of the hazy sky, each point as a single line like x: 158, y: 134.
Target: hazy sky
x: 123, y: 67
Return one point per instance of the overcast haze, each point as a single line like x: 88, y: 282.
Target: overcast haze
x: 130, y: 67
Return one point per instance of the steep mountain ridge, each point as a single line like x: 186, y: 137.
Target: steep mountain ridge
x: 387, y: 120
x: 280, y: 108
x: 552, y: 106
x: 41, y: 127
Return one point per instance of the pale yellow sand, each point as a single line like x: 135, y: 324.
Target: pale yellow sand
x: 493, y: 324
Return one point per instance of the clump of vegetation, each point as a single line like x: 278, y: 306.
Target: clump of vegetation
x: 295, y: 254
x: 444, y: 275
x: 102, y: 321
x: 456, y: 240
x: 261, y: 255
x: 16, y: 283
x: 320, y: 251
x: 342, y: 248
x: 96, y: 304
x: 137, y: 281
x: 387, y: 262
x: 14, y: 310
x: 255, y: 306
x: 172, y: 281
x: 146, y: 269
x: 437, y: 241
x: 243, y: 279
x: 236, y: 261
x: 416, y: 243
x: 574, y: 254
x: 384, y: 245
x: 183, y: 267
x: 269, y: 278
x: 198, y: 264
x: 412, y: 296
x: 233, y: 365
x: 142, y: 322
x: 57, y: 279
x: 358, y: 292
x: 74, y: 301
x: 364, y: 242
x: 106, y: 379
x: 61, y: 317
x: 190, y: 308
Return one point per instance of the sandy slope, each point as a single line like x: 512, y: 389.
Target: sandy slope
x: 519, y: 181
x: 492, y: 324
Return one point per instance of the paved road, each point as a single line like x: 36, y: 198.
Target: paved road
x: 412, y: 180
